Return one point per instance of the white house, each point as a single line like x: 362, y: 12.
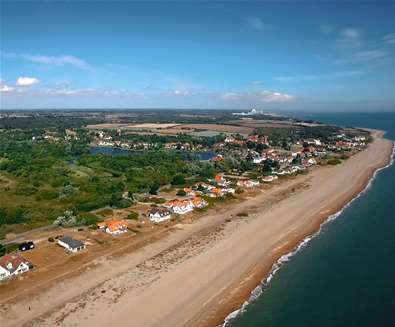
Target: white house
x: 180, y: 207
x: 71, y: 244
x: 12, y: 265
x: 159, y: 214
x: 247, y: 183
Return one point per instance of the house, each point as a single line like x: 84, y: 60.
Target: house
x: 216, y: 192
x: 189, y: 191
x: 12, y: 265
x: 258, y: 159
x: 71, y: 244
x: 229, y: 139
x: 247, y: 183
x: 159, y: 214
x: 228, y: 190
x: 203, y: 186
x: 311, y: 162
x: 114, y: 227
x: 180, y: 207
x: 220, y: 180
x: 217, y: 158
x: 198, y: 202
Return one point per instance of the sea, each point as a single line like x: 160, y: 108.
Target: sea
x: 345, y: 274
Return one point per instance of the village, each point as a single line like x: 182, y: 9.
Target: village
x: 274, y: 163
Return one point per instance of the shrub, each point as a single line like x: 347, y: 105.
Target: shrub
x: 51, y: 239
x: 333, y: 162
x: 87, y: 219
x: 242, y: 214
x: 181, y: 192
x: 133, y: 215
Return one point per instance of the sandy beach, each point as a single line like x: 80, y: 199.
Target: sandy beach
x: 199, y: 273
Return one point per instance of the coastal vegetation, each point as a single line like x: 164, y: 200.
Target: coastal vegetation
x: 48, y: 173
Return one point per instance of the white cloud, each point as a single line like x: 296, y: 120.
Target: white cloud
x: 260, y: 96
x: 62, y: 60
x: 26, y: 81
x: 181, y: 92
x: 314, y: 77
x: 350, y: 37
x: 364, y: 56
x: 5, y: 88
x: 350, y: 33
x: 257, y: 24
x: 390, y: 38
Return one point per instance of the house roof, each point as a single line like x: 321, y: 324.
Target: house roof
x: 71, y: 242
x: 14, y: 259
x: 161, y: 210
x: 115, y: 225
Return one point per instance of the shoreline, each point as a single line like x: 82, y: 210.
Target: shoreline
x: 224, y: 281
x: 262, y: 277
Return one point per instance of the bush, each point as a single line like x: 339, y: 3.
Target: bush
x: 2, y: 250
x: 123, y: 203
x: 333, y: 162
x: 87, y: 219
x: 181, y: 192
x: 242, y: 214
x: 51, y: 239
x: 133, y: 215
x: 178, y: 180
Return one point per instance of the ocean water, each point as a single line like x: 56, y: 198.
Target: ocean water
x: 345, y: 276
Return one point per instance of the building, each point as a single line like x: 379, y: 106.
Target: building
x: 71, y: 244
x: 180, y: 207
x: 198, y: 202
x: 159, y: 214
x: 247, y: 183
x: 12, y: 265
x: 114, y: 227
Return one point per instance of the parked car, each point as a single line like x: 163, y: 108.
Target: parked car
x: 26, y: 246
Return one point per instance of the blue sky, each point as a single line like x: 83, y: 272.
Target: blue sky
x: 326, y: 56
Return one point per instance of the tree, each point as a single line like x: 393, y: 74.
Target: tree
x: 154, y: 188
x: 178, y: 180
x: 2, y: 250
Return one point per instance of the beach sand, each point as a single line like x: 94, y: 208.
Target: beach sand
x: 199, y: 273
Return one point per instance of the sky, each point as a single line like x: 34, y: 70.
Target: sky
x: 325, y: 56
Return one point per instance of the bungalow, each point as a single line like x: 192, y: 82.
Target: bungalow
x: 258, y: 159
x: 247, y: 183
x: 180, y: 207
x: 228, y: 190
x: 203, y: 185
x: 311, y: 162
x: 216, y: 192
x: 229, y: 139
x: 159, y: 214
x: 217, y: 158
x: 12, y: 265
x: 114, y: 227
x: 220, y: 180
x: 189, y: 191
x: 198, y: 202
x: 71, y: 244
